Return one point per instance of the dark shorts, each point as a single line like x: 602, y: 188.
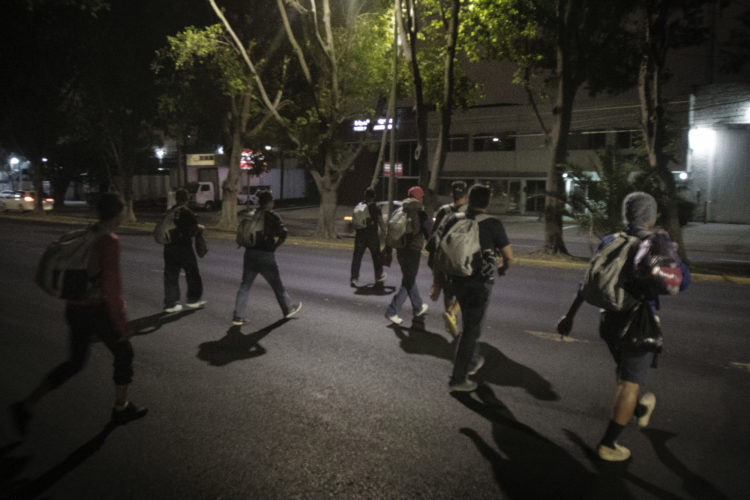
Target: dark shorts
x: 632, y: 366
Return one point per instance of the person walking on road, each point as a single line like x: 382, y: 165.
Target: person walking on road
x: 179, y: 255
x: 473, y: 292
x: 260, y: 259
x: 367, y: 220
x: 450, y: 304
x: 639, y: 211
x: 100, y: 313
x: 408, y: 255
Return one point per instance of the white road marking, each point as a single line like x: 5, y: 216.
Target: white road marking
x: 554, y: 337
x: 741, y: 366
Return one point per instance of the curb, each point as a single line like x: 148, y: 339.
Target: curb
x: 318, y: 243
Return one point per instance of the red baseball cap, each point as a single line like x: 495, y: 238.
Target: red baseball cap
x: 416, y: 192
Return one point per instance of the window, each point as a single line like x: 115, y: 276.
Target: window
x: 587, y: 140
x: 626, y: 139
x: 505, y: 141
x: 458, y: 143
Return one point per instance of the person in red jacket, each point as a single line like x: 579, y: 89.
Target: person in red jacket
x: 100, y: 313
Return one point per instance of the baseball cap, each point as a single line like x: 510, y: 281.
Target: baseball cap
x: 415, y: 192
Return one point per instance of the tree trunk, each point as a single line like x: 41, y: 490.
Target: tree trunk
x: 127, y: 193
x: 446, y: 111
x: 650, y: 79
x: 554, y: 200
x: 38, y: 177
x: 327, y: 185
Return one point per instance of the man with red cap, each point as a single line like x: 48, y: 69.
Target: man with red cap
x: 408, y: 254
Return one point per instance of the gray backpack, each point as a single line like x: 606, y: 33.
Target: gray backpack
x: 250, y: 229
x: 458, y: 246
x: 608, y: 272
x: 163, y: 228
x: 402, y: 224
x: 66, y: 269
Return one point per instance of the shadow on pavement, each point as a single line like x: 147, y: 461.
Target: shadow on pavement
x: 149, y: 324
x: 236, y: 346
x: 612, y: 476
x: 374, y: 289
x: 695, y: 485
x: 498, y: 368
x: 525, y: 463
x: 31, y: 488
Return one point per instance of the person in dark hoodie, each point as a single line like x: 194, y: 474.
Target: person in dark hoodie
x: 639, y: 213
x: 408, y: 257
x: 101, y: 314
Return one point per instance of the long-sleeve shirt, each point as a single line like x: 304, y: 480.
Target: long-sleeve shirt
x: 107, y: 289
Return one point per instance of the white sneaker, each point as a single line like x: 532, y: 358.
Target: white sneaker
x: 649, y: 401
x: 477, y: 367
x: 395, y: 319
x: 465, y: 386
x: 196, y: 305
x: 616, y: 454
x: 294, y: 310
x: 354, y: 283
x: 422, y: 310
x: 382, y: 277
x: 175, y: 308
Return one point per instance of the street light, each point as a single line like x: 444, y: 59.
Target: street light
x: 160, y: 153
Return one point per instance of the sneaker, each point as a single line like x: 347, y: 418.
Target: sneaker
x: 477, y: 367
x: 175, y: 308
x: 395, y: 319
x: 649, y: 401
x: 382, y: 278
x: 197, y: 304
x: 450, y: 323
x: 294, y: 310
x: 21, y: 417
x: 465, y: 386
x: 238, y: 321
x: 616, y: 454
x: 354, y: 283
x: 422, y: 310
x: 130, y: 412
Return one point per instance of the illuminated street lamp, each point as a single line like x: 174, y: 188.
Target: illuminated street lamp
x: 160, y: 153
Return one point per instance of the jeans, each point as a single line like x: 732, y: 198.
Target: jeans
x: 409, y: 262
x: 178, y: 257
x: 264, y: 263
x: 366, y: 239
x: 473, y: 296
x: 86, y: 322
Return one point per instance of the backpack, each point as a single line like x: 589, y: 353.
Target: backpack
x: 657, y: 265
x: 610, y: 269
x: 458, y: 245
x: 432, y: 242
x: 66, y: 269
x: 163, y: 229
x: 401, y: 224
x: 361, y: 215
x: 250, y: 229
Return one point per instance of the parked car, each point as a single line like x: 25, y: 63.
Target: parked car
x: 23, y: 201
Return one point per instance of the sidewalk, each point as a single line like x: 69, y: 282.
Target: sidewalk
x: 721, y: 251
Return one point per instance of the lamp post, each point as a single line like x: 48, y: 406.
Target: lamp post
x: 392, y: 106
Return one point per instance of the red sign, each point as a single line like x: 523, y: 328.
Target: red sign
x: 251, y: 159
x: 399, y: 169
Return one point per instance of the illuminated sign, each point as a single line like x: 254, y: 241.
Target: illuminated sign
x: 399, y: 169
x: 361, y: 125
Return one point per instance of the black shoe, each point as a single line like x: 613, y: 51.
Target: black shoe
x: 21, y: 417
x: 130, y: 412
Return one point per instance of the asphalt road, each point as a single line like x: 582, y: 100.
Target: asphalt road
x: 335, y: 403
